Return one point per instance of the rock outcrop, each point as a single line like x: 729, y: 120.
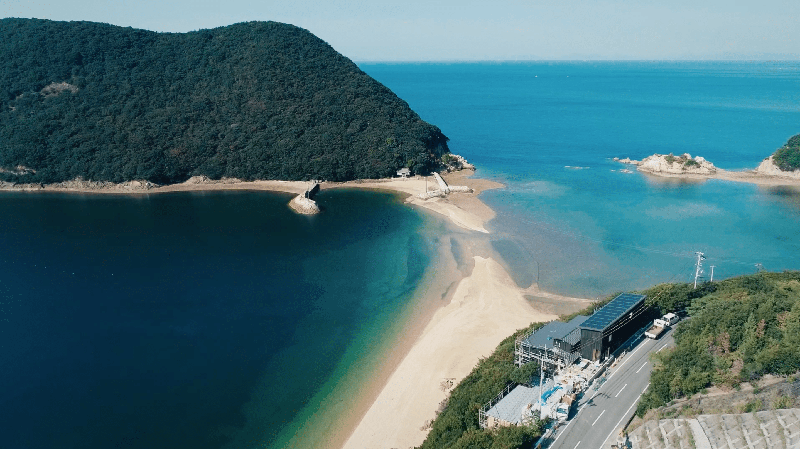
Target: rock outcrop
x: 674, y: 165
x: 303, y: 205
x: 768, y: 168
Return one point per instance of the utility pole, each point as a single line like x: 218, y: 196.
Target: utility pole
x: 698, y: 267
x: 712, y: 273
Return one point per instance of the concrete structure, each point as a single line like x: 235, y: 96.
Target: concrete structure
x: 610, y: 326
x: 404, y: 173
x: 519, y: 404
x: 554, y: 345
x: 767, y: 430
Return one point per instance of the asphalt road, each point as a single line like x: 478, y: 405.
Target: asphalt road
x: 601, y: 412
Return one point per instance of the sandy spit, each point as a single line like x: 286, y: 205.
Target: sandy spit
x: 481, y: 307
x: 486, y: 307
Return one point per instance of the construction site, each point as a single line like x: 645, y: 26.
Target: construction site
x: 570, y: 355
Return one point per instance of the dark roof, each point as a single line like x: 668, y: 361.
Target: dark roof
x: 612, y: 311
x: 543, y: 338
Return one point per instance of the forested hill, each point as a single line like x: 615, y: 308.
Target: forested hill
x: 258, y: 100
x: 787, y: 157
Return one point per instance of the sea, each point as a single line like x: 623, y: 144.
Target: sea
x: 223, y: 319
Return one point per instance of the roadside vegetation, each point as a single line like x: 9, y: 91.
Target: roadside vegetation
x: 257, y: 100
x: 740, y: 330
x: 456, y: 426
x: 787, y: 158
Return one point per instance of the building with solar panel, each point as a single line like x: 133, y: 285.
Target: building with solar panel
x: 610, y: 326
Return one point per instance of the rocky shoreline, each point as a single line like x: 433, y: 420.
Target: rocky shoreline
x: 686, y: 166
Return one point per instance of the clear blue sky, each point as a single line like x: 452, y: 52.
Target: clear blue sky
x: 430, y: 30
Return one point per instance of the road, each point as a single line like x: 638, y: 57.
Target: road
x: 601, y: 413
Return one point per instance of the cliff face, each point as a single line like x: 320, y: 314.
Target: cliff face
x: 258, y: 100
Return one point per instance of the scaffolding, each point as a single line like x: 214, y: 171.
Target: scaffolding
x: 554, y: 346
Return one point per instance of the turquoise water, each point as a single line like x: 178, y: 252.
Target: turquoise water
x: 225, y: 320
x: 189, y: 319
x: 549, y: 130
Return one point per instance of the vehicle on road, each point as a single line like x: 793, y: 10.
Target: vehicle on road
x: 660, y: 325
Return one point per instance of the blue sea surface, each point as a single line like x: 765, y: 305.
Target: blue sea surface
x: 222, y: 319
x: 190, y: 319
x: 569, y: 216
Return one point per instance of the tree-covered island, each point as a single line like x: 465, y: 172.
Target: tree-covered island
x: 257, y: 100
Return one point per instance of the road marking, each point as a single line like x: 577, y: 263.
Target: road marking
x: 598, y: 417
x: 627, y: 357
x: 623, y: 416
x: 576, y: 446
x: 662, y: 347
x: 640, y: 368
x: 620, y: 391
x: 558, y: 435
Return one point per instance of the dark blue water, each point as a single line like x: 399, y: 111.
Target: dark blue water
x: 549, y: 130
x: 153, y: 321
x: 224, y: 320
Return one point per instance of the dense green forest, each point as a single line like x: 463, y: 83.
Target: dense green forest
x: 258, y: 100
x: 787, y: 158
x: 740, y: 329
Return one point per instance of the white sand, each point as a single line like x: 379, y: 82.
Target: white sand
x: 486, y: 308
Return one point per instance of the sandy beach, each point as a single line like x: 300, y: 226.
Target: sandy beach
x: 467, y: 308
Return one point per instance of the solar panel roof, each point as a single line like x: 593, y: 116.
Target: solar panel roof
x: 618, y: 307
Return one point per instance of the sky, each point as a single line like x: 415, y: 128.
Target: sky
x: 469, y: 30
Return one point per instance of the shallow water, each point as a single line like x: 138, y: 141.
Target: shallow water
x: 549, y: 130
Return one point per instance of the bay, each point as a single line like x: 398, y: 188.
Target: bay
x: 189, y: 319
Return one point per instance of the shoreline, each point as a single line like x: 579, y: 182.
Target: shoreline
x: 463, y: 209
x: 467, y: 304
x: 749, y: 176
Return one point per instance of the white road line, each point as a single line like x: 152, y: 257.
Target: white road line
x: 565, y: 428
x: 623, y: 416
x: 662, y: 347
x: 627, y: 357
x: 576, y: 446
x: 640, y: 368
x: 620, y: 391
x: 598, y: 417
